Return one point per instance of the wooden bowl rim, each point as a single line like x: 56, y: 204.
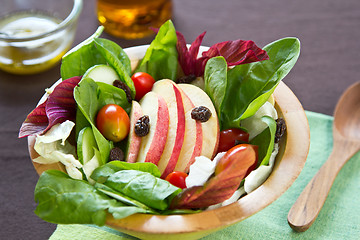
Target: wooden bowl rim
x: 293, y: 152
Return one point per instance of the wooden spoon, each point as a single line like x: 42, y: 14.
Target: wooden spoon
x: 346, y: 135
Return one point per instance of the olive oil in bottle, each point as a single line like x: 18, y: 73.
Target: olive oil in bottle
x: 133, y: 19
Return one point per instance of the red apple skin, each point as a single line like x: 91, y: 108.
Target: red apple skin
x: 180, y: 132
x: 134, y: 141
x: 193, y: 137
x: 246, y: 152
x: 159, y: 140
x: 211, y: 128
x: 153, y: 144
x: 173, y: 98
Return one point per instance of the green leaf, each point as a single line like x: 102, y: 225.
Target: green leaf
x: 118, y: 59
x: 108, y: 94
x: 160, y: 60
x: 143, y: 187
x: 90, y: 97
x: 250, y: 85
x: 83, y: 56
x: 265, y: 141
x: 122, y: 198
x: 102, y: 173
x: 216, y: 80
x: 63, y: 200
x: 87, y: 100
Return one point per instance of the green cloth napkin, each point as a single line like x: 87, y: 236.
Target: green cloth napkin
x: 338, y: 219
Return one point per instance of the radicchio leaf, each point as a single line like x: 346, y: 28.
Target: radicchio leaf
x: 219, y: 187
x: 188, y: 57
x: 58, y: 107
x: 61, y: 105
x: 235, y: 53
x: 35, y: 122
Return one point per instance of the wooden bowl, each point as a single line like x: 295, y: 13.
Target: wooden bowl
x: 294, y: 147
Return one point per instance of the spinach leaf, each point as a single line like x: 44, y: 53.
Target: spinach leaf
x: 265, y: 141
x: 160, y: 60
x: 90, y: 97
x: 64, y: 200
x: 250, y: 85
x: 86, y: 97
x: 94, y: 51
x: 118, y: 59
x: 79, y: 59
x: 81, y: 122
x: 122, y: 198
x: 143, y: 187
x: 102, y: 173
x: 216, y: 81
x: 108, y: 94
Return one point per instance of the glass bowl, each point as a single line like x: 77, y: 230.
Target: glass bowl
x: 35, y: 34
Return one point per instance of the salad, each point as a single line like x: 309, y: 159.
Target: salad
x: 177, y: 132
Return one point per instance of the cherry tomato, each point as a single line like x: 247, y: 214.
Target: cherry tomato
x: 113, y: 122
x: 243, y: 155
x: 143, y: 83
x: 177, y: 179
x: 230, y: 137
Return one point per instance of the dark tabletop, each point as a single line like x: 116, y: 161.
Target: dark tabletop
x: 329, y: 63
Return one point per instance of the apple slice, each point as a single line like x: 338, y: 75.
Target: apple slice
x: 193, y: 138
x: 153, y: 144
x: 211, y: 128
x: 172, y: 95
x: 134, y: 141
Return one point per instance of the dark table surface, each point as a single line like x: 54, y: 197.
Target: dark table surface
x: 329, y: 63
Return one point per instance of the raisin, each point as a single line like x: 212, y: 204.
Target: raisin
x: 280, y: 129
x: 123, y: 86
x: 116, y: 154
x: 186, y: 79
x: 142, y: 126
x: 201, y: 114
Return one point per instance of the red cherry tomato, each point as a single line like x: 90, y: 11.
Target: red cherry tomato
x: 113, y: 122
x: 230, y: 137
x: 143, y: 83
x: 177, y: 179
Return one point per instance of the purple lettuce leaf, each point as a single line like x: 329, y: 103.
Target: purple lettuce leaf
x: 235, y: 53
x: 58, y: 107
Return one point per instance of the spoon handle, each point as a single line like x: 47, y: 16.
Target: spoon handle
x: 307, y: 207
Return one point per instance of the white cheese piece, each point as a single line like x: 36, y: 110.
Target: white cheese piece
x: 201, y: 170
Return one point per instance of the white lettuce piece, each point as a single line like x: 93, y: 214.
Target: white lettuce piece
x: 254, y: 125
x: 53, y: 147
x: 60, y: 131
x: 259, y: 175
x: 201, y: 170
x: 74, y: 172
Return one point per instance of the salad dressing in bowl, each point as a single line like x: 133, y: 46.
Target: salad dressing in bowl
x: 288, y: 165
